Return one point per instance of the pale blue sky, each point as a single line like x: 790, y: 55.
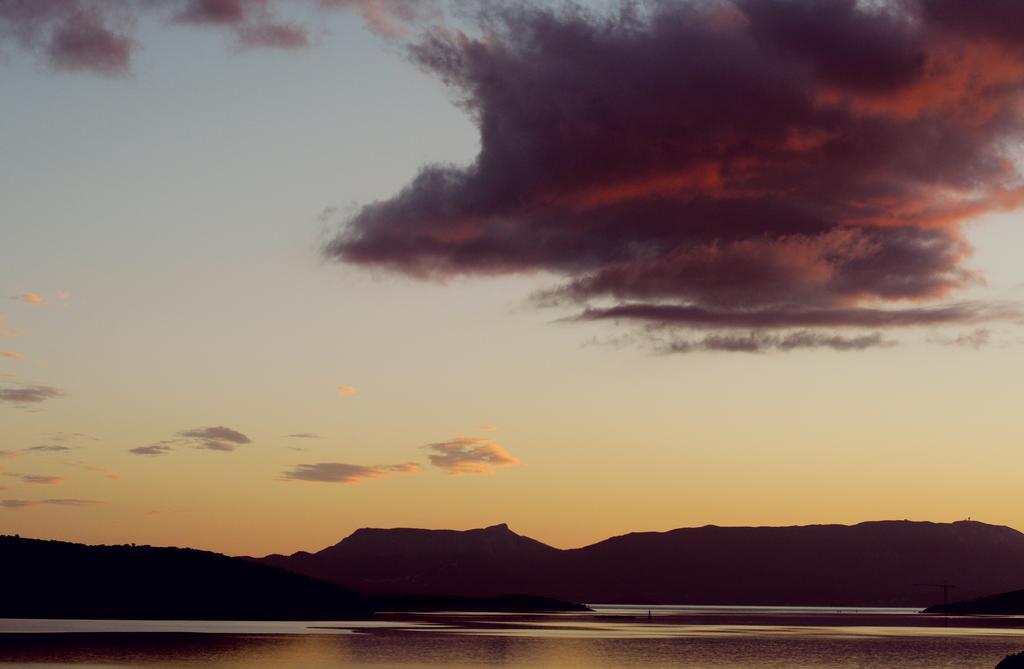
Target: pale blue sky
x: 179, y: 205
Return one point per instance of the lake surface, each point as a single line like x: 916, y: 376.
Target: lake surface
x: 694, y: 637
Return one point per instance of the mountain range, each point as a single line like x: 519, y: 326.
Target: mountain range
x: 884, y: 563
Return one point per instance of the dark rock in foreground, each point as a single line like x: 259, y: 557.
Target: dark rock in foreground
x: 53, y: 579
x: 1012, y: 662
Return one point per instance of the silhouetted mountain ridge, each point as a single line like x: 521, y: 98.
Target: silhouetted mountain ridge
x: 878, y: 563
x: 55, y: 579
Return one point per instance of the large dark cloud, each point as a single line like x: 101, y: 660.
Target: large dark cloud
x: 721, y: 164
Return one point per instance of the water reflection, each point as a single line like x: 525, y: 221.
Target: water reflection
x: 704, y: 637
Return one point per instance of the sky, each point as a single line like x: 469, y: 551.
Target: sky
x: 274, y: 271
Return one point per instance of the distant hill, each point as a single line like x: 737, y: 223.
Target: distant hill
x: 1006, y: 603
x: 474, y: 563
x: 880, y: 563
x: 53, y: 579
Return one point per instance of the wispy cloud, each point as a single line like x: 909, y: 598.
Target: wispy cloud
x: 29, y: 298
x: 153, y: 449
x: 13, y: 355
x: 18, y: 504
x: 37, y: 479
x: 304, y: 435
x: 339, y: 472
x: 217, y: 438
x: 95, y: 469
x: 976, y: 339
x: 346, y: 391
x: 7, y: 333
x: 756, y: 342
x: 68, y: 436
x: 48, y: 448
x: 466, y: 455
x: 100, y: 36
x: 489, y: 427
x: 22, y: 395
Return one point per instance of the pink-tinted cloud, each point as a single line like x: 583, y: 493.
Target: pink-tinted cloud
x: 390, y: 18
x: 29, y: 298
x: 70, y: 34
x: 466, y: 455
x: 338, y: 472
x: 273, y: 35
x: 83, y: 42
x: 13, y: 355
x: 252, y: 21
x: 800, y: 164
x: 99, y: 36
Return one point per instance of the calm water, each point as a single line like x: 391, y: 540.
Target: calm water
x: 714, y: 637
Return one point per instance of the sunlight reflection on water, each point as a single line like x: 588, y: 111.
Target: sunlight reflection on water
x: 693, y: 637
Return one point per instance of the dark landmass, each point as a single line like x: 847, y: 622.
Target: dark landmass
x: 1012, y: 662
x: 500, y: 604
x: 53, y: 579
x: 1007, y: 603
x: 880, y: 563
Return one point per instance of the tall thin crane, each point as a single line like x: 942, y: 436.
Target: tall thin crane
x: 945, y: 585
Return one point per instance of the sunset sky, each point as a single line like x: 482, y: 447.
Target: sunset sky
x: 274, y: 271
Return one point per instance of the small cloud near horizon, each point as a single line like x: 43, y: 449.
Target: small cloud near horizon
x: 470, y: 455
x: 304, y: 435
x: 346, y: 391
x: 340, y: 472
